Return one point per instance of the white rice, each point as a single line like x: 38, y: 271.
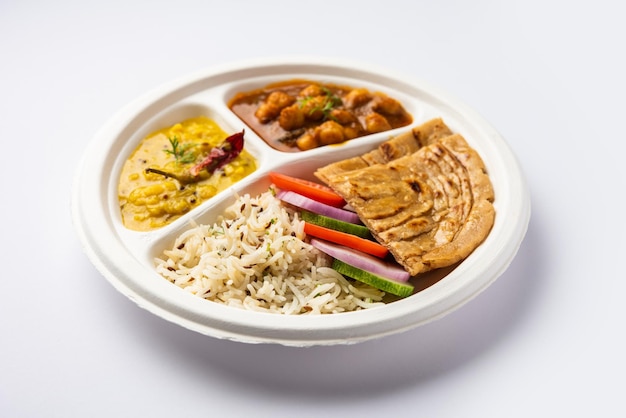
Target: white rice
x: 255, y: 257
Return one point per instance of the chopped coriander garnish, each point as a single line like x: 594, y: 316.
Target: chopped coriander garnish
x: 216, y: 231
x: 179, y: 152
x: 330, y: 102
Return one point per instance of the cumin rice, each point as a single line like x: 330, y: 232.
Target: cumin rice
x: 255, y: 257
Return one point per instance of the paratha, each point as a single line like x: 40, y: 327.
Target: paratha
x: 398, y: 146
x: 425, y: 195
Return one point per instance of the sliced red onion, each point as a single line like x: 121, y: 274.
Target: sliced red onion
x: 317, y: 207
x: 358, y: 259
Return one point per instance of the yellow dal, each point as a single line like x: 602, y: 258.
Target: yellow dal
x: 148, y: 200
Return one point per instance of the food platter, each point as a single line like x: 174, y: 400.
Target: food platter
x: 126, y: 257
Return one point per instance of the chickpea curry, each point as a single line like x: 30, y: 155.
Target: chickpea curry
x: 177, y: 168
x: 299, y: 115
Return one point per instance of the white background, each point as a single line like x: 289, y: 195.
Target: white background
x: 547, y: 339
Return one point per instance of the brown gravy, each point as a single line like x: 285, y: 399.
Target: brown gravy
x: 298, y: 115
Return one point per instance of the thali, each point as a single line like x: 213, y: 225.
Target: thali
x: 126, y: 257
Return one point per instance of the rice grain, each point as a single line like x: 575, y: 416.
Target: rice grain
x: 256, y: 257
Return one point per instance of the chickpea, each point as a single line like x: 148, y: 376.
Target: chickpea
x: 387, y: 105
x: 280, y: 99
x: 311, y: 90
x: 330, y: 132
x: 312, y: 108
x: 343, y: 116
x: 266, y: 112
x: 356, y: 98
x: 350, y: 132
x: 306, y: 142
x: 291, y: 118
x: 375, y: 122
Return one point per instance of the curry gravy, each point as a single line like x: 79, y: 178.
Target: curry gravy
x: 297, y: 115
x: 149, y: 200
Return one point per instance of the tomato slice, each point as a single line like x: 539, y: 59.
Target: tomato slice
x: 352, y: 241
x: 307, y: 188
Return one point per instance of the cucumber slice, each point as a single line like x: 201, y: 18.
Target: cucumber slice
x: 389, y: 286
x: 336, y: 224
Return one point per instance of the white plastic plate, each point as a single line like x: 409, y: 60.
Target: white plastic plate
x: 125, y: 257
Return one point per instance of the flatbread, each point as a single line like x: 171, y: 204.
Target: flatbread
x: 426, y: 196
x: 398, y: 146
